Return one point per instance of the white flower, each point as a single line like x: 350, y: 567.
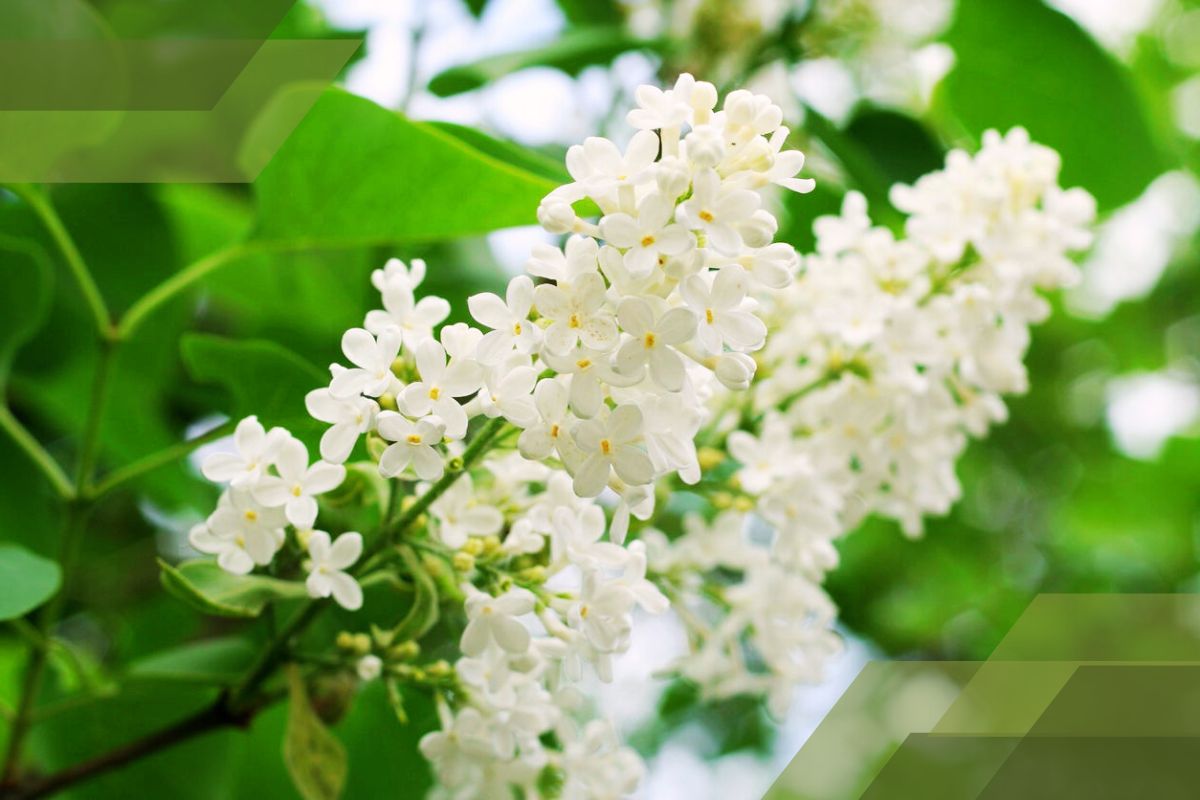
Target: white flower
x: 349, y: 419
x: 609, y: 445
x: 579, y: 259
x: 600, y: 167
x: 372, y: 359
x: 543, y: 437
x: 460, y: 515
x: 719, y: 307
x: 650, y: 238
x: 241, y: 532
x: 507, y: 392
x: 256, y: 449
x: 414, y: 318
x: 508, y: 319
x: 787, y: 164
x: 717, y: 211
x: 413, y: 445
x: 297, y: 483
x: 438, y: 387
x: 577, y: 312
x: 327, y: 575
x: 589, y: 370
x: 654, y: 340
x: 494, y: 619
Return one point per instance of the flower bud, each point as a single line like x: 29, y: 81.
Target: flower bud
x: 556, y: 216
x: 735, y: 371
x: 388, y: 401
x: 473, y: 546
x: 710, y: 458
x: 463, y: 562
x: 759, y: 230
x: 405, y: 651
x: 705, y: 146
x: 369, y: 668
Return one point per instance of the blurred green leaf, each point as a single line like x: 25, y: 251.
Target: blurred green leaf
x: 354, y: 173
x: 507, y: 151
x: 26, y: 277
x: 262, y: 377
x: 592, y: 12
x: 212, y: 661
x: 903, y: 148
x: 206, y: 587
x: 1018, y: 62
x: 315, y: 758
x: 28, y: 580
x: 572, y: 52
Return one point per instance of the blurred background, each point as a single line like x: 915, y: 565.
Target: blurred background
x: 1092, y: 486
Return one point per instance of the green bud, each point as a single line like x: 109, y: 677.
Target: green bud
x: 463, y: 562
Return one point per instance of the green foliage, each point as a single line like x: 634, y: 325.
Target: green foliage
x: 211, y: 590
x: 28, y: 580
x: 314, y: 756
x: 26, y: 277
x: 572, y: 52
x: 354, y: 174
x: 261, y: 377
x: 209, y: 662
x: 1018, y: 62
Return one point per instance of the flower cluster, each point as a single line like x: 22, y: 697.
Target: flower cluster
x: 668, y: 343
x: 271, y: 488
x: 884, y: 357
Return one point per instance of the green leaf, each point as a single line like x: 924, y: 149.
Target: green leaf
x: 261, y: 377
x: 28, y: 580
x: 902, y: 147
x: 592, y: 12
x: 507, y: 151
x: 209, y: 662
x: 355, y: 173
x: 26, y: 275
x: 315, y: 758
x: 1020, y: 63
x: 860, y: 166
x: 203, y: 585
x: 572, y: 52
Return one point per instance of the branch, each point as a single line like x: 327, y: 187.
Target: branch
x: 214, y: 717
x: 37, y: 454
x: 155, y: 460
x: 53, y: 224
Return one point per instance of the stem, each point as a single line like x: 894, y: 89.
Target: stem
x: 41, y: 205
x: 168, y: 289
x: 213, y: 717
x: 198, y: 270
x: 236, y: 706
x: 155, y: 460
x: 37, y: 454
x: 475, y: 450
x: 91, y: 432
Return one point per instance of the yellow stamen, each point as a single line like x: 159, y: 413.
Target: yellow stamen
x: 434, y: 393
x: 706, y: 216
x: 583, y: 363
x: 708, y: 315
x: 649, y: 340
x: 251, y: 515
x: 414, y: 438
x: 647, y: 241
x: 573, y: 322
x: 605, y: 446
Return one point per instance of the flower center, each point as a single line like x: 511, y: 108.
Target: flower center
x: 706, y: 215
x: 573, y: 321
x: 297, y: 490
x: 583, y: 612
x: 554, y: 431
x: 708, y: 315
x: 434, y: 393
x: 605, y: 447
x: 647, y: 241
x: 649, y: 340
x: 583, y: 363
x: 414, y: 438
x: 251, y: 515
x: 516, y: 329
